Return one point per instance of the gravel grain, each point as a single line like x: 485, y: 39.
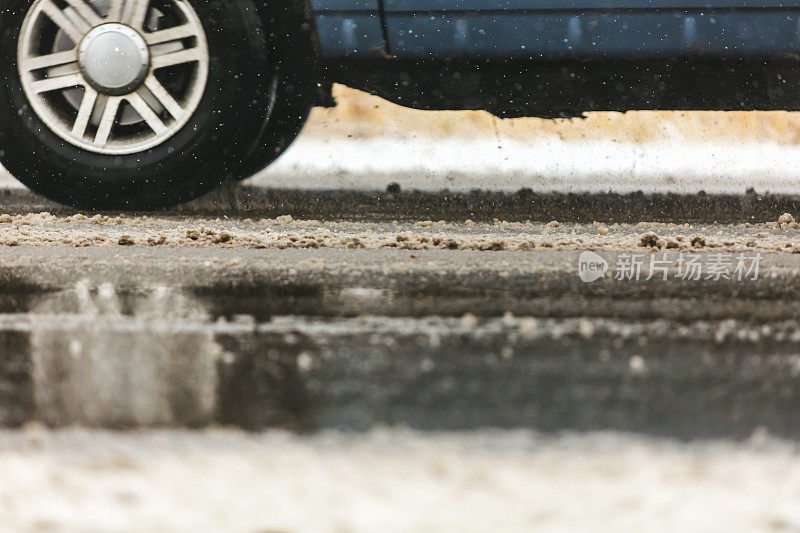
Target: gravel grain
x: 42, y: 229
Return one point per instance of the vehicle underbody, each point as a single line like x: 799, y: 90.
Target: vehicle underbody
x: 552, y: 89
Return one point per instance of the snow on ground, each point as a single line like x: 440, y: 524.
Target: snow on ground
x: 543, y: 166
x: 392, y: 480
x: 366, y: 143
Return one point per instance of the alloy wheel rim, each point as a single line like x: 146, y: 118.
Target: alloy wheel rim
x: 113, y: 76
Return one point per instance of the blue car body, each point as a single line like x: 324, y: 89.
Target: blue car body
x: 557, y: 29
x: 683, y: 42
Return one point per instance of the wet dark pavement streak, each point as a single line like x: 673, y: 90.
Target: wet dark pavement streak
x: 132, y: 336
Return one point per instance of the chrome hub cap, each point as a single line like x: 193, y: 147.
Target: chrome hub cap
x: 114, y: 59
x: 113, y: 76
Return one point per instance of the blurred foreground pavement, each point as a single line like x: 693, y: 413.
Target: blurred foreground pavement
x: 392, y: 481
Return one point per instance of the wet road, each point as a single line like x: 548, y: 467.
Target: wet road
x: 540, y: 359
x: 687, y: 330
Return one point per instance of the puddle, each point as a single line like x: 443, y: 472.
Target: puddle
x: 98, y: 355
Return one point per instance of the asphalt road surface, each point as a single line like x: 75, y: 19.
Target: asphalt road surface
x: 597, y: 375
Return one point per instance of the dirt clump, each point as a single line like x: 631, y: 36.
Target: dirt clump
x: 283, y: 220
x: 469, y: 320
x: 528, y: 328
x: 586, y: 329
x: 155, y: 240
x: 637, y: 364
x: 786, y: 220
x: 493, y: 246
x: 650, y: 240
x: 222, y: 237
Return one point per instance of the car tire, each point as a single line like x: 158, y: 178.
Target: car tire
x: 219, y: 142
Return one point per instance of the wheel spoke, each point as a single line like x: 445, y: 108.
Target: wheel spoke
x: 163, y: 96
x: 169, y: 34
x: 144, y: 110
x: 107, y: 119
x: 60, y: 82
x: 86, y: 12
x: 177, y: 58
x: 137, y: 13
x: 72, y: 93
x: 61, y: 20
x: 115, y: 11
x: 85, y: 112
x: 31, y: 64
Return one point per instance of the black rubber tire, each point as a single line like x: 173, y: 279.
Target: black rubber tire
x: 211, y: 149
x: 287, y: 115
x: 294, y: 70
